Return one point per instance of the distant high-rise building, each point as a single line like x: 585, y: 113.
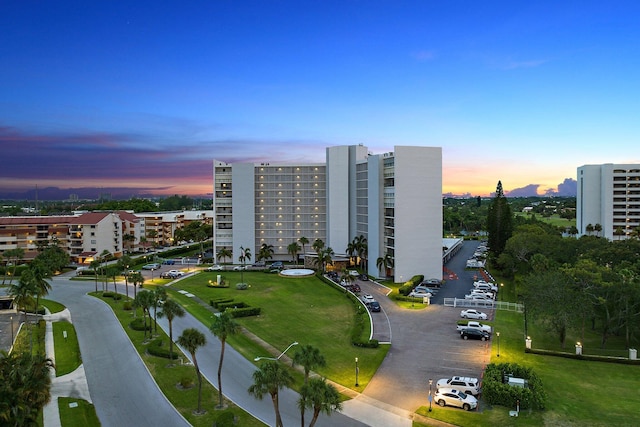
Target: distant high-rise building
x: 608, y: 198
x: 394, y: 200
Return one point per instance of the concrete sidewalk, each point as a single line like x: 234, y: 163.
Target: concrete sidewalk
x: 72, y: 385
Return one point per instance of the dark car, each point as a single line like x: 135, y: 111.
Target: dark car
x: 168, y: 262
x: 277, y: 264
x: 474, y: 334
x: 374, y: 306
x: 363, y: 277
x: 353, y: 288
x: 431, y: 283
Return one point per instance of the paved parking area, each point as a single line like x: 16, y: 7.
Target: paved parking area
x: 425, y: 343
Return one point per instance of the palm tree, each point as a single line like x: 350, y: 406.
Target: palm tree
x: 144, y: 300
x: 597, y: 228
x: 95, y: 266
x: 16, y: 255
x: 191, y: 339
x: 320, y: 396
x: 360, y: 243
x: 325, y: 257
x: 112, y: 273
x: 128, y: 240
x: 265, y: 252
x: 310, y: 358
x: 104, y: 257
x: 40, y: 273
x: 317, y: 245
x: 618, y: 232
x: 123, y: 265
x: 223, y: 254
x: 171, y: 310
x: 589, y: 229
x: 23, y: 291
x: 27, y: 378
x: 303, y: 241
x: 270, y: 378
x: 137, y: 279
x: 223, y: 325
x: 245, y: 255
x: 293, y: 249
x: 386, y: 262
x: 159, y: 297
x: 351, y: 250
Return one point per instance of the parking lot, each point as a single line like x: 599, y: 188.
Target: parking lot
x: 425, y: 343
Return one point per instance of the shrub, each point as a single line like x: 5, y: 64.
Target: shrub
x: 157, y: 348
x: 497, y: 391
x: 138, y: 324
x: 215, y: 302
x: 128, y: 305
x: 242, y: 286
x: 225, y: 419
x: 410, y: 285
x: 245, y: 312
x: 226, y: 305
x: 186, y: 382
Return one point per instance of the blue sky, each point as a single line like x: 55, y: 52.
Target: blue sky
x: 145, y: 94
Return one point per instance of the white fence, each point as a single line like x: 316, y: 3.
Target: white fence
x: 470, y: 303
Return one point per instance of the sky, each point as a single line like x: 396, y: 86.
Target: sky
x: 144, y: 95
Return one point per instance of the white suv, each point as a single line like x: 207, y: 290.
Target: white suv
x: 465, y: 384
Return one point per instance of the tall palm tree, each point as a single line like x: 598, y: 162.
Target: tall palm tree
x: 15, y: 254
x: 112, y: 273
x: 171, y: 310
x: 144, y: 300
x: 351, y: 251
x: 303, y: 241
x: 40, y: 273
x: 293, y: 249
x: 159, y: 297
x: 360, y: 243
x: 95, y: 266
x: 123, y: 264
x: 325, y: 256
x: 223, y: 325
x: 589, y: 229
x: 385, y: 262
x: 223, y: 254
x: 23, y: 291
x: 270, y: 378
x: 192, y: 339
x: 245, y: 255
x: 104, y: 258
x: 320, y: 396
x: 137, y: 279
x: 317, y: 245
x: 597, y: 228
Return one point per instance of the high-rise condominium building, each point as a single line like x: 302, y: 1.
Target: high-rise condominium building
x: 608, y: 200
x: 394, y: 200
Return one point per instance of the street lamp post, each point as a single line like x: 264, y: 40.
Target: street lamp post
x: 430, y: 395
x: 498, y: 334
x: 357, y: 371
x: 281, y: 354
x: 11, y: 330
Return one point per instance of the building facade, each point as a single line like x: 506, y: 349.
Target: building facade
x: 608, y: 200
x: 394, y: 200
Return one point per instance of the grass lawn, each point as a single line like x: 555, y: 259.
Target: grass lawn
x: 555, y: 219
x: 53, y: 306
x: 67, y: 349
x: 580, y: 393
x: 300, y: 309
x: 184, y: 400
x: 83, y: 415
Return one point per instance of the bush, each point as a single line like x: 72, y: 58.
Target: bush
x: 497, y: 391
x: 186, y: 382
x: 157, y: 348
x: 215, y: 302
x: 225, y: 419
x: 138, y: 324
x: 245, y: 312
x: 410, y: 285
x: 128, y: 305
x: 242, y: 286
x: 226, y: 305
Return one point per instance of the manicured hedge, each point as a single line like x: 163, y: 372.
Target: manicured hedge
x: 138, y: 324
x: 244, y: 312
x: 233, y: 304
x: 497, y: 391
x: 113, y: 295
x: 160, y: 349
x: 410, y: 285
x: 214, y: 302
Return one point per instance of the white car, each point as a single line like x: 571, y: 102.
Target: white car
x: 454, y: 397
x: 478, y: 297
x: 420, y: 294
x: 239, y: 267
x: 486, y: 286
x: 467, y: 385
x: 176, y: 273
x: 214, y: 268
x: 368, y: 299
x: 473, y: 314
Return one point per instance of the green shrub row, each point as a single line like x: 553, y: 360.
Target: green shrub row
x: 214, y: 302
x: 137, y: 324
x: 410, y: 285
x: 245, y: 312
x: 591, y: 357
x: 231, y: 304
x: 497, y: 391
x: 361, y: 320
x: 107, y: 294
x: 158, y: 348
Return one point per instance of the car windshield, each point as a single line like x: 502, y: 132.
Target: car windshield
x: 462, y: 395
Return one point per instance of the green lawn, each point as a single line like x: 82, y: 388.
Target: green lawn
x: 83, y: 415
x: 555, y: 219
x: 67, y: 349
x: 53, y: 306
x: 293, y: 309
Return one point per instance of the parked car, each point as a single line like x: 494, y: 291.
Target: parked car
x: 426, y: 289
x: 239, y: 267
x: 355, y: 288
x: 354, y: 273
x: 373, y: 306
x: 484, y: 286
x: 276, y: 264
x: 367, y: 298
x: 176, y: 273
x: 259, y: 264
x: 420, y: 294
x: 467, y: 385
x: 434, y: 283
x: 473, y: 314
x: 455, y: 397
x: 215, y: 267
x: 333, y: 275
x: 478, y: 297
x: 153, y: 266
x: 363, y: 277
x: 474, y: 334
x: 474, y: 324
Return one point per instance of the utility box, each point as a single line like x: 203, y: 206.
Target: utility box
x: 633, y: 354
x: 517, y: 382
